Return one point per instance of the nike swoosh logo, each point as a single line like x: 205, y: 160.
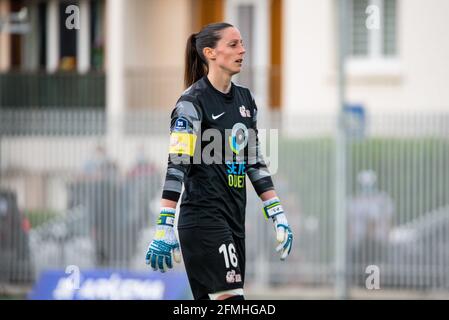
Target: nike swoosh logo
x: 217, y: 116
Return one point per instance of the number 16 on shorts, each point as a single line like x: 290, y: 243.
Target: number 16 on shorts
x: 230, y: 259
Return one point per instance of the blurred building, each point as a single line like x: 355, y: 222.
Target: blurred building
x: 400, y: 67
x: 125, y: 60
x: 120, y: 61
x: 117, y: 56
x: 45, y: 62
x: 397, y: 53
x: 143, y: 43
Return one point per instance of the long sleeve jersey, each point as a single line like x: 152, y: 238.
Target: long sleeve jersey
x: 213, y: 146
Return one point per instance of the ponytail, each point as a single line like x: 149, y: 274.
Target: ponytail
x: 195, y: 67
x: 195, y: 62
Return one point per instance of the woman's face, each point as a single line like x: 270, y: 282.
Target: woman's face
x: 229, y: 52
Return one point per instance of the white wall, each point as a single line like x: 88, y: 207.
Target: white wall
x: 156, y: 32
x: 421, y: 80
x: 156, y: 35
x: 308, y: 57
x: 417, y: 81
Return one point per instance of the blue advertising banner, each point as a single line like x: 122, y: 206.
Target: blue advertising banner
x: 111, y: 285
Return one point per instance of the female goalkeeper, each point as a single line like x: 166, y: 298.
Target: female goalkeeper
x: 213, y: 146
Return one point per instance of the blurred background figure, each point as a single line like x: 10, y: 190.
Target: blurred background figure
x: 98, y: 192
x: 16, y: 265
x: 142, y: 184
x: 370, y: 214
x: 99, y: 165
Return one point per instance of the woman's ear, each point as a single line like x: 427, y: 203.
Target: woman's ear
x: 209, y: 53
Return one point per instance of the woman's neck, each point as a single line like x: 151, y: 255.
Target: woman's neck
x: 220, y: 81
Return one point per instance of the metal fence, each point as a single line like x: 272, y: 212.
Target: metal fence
x: 72, y: 196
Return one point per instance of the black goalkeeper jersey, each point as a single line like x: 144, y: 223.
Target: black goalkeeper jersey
x: 213, y: 146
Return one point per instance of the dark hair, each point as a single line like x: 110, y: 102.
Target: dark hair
x: 196, y: 64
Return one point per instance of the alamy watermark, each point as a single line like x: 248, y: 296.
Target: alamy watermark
x: 241, y: 145
x: 372, y: 22
x: 74, y: 276
x: 73, y: 20
x: 373, y: 280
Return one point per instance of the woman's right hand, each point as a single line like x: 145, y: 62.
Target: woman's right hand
x: 164, y: 244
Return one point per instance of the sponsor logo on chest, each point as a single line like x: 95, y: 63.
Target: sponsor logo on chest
x: 245, y: 113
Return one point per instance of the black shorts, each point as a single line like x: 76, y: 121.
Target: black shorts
x: 214, y: 260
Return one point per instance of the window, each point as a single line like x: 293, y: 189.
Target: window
x: 97, y: 34
x: 42, y: 34
x: 38, y: 38
x: 245, y: 22
x: 389, y: 27
x: 67, y: 40
x: 22, y: 21
x: 373, y: 31
x: 18, y: 19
